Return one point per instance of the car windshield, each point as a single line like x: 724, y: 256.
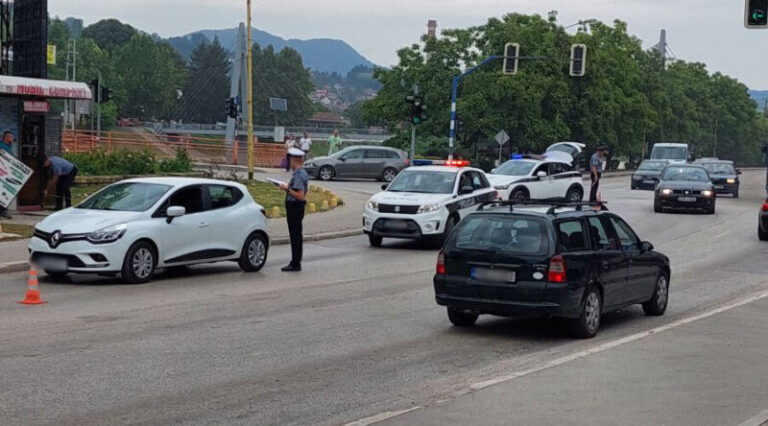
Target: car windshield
x: 127, y: 197
x: 719, y: 168
x: 693, y: 174
x: 501, y: 234
x: 652, y: 165
x: 424, y: 181
x: 669, y: 152
x: 515, y: 168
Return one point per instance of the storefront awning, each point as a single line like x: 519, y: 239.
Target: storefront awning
x: 22, y: 86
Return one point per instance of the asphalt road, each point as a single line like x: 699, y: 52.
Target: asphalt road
x: 355, y: 334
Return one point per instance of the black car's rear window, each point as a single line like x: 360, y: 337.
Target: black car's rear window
x: 503, y: 234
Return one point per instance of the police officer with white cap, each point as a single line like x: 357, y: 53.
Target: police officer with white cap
x: 295, y: 203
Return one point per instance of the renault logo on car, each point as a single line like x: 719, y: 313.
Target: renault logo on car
x: 55, y: 239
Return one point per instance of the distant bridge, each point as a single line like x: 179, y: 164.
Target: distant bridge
x: 371, y: 135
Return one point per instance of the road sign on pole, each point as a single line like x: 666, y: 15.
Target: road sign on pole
x: 501, y: 138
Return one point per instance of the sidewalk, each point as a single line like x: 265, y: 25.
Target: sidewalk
x: 711, y: 371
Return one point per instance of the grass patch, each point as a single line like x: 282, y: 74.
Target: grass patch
x: 14, y: 228
x: 266, y: 194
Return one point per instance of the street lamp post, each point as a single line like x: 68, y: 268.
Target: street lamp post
x: 249, y: 85
x: 581, y: 22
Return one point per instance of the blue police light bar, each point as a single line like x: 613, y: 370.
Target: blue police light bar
x: 516, y: 156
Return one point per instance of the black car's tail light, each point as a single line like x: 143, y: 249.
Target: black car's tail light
x: 556, y: 270
x: 440, y: 270
x: 765, y: 206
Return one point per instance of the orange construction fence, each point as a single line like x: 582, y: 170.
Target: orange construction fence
x: 203, y: 150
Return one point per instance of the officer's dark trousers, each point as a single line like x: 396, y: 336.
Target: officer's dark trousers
x: 595, y: 185
x: 295, y: 215
x: 63, y: 190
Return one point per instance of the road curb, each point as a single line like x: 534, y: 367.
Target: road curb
x: 7, y: 268
x: 320, y: 237
x: 10, y: 267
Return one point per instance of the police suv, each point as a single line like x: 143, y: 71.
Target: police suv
x: 425, y: 202
x: 547, y: 177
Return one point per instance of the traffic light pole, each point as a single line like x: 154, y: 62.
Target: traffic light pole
x: 454, y: 96
x: 413, y: 128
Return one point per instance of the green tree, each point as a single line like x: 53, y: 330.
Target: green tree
x: 281, y: 75
x: 207, y: 84
x: 110, y: 34
x: 151, y: 76
x: 628, y: 98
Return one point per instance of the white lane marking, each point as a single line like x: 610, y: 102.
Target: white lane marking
x: 585, y: 353
x: 381, y: 417
x: 618, y: 342
x: 758, y: 420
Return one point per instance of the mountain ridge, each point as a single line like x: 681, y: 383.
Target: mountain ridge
x: 318, y: 54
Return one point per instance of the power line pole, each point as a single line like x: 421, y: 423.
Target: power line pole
x: 250, y: 96
x: 98, y: 106
x: 71, y: 75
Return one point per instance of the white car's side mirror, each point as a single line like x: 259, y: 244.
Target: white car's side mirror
x: 541, y: 174
x: 174, y: 212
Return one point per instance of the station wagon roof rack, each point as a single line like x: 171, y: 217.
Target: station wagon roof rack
x: 553, y: 205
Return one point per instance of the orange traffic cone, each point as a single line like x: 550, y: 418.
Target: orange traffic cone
x: 33, y: 293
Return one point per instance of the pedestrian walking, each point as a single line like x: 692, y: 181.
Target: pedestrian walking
x: 295, y: 202
x: 6, y: 145
x: 334, y: 142
x: 305, y: 143
x: 64, y: 173
x: 596, y: 171
x: 290, y: 143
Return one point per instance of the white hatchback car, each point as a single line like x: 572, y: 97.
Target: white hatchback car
x: 135, y: 226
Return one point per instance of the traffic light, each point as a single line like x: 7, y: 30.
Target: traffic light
x: 459, y: 125
x: 95, y: 89
x: 418, y: 109
x: 231, y: 107
x: 511, y: 53
x: 106, y: 94
x: 756, y: 14
x: 579, y: 60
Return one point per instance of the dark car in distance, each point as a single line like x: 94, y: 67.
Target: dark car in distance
x: 551, y: 261
x: 724, y: 176
x: 685, y: 187
x: 647, y: 174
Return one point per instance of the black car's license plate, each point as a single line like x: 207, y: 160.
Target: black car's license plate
x: 687, y: 199
x: 494, y: 275
x: 719, y: 186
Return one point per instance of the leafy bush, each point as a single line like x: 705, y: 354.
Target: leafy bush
x: 124, y: 162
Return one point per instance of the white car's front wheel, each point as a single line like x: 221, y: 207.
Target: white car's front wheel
x: 139, y: 264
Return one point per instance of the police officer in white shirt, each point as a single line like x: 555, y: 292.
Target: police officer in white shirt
x: 305, y: 143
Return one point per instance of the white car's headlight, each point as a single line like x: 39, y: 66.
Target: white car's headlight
x: 428, y: 208
x: 108, y: 234
x: 502, y: 187
x: 707, y: 193
x: 666, y: 191
x: 372, y: 205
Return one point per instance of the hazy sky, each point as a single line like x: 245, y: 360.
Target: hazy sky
x: 709, y: 31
